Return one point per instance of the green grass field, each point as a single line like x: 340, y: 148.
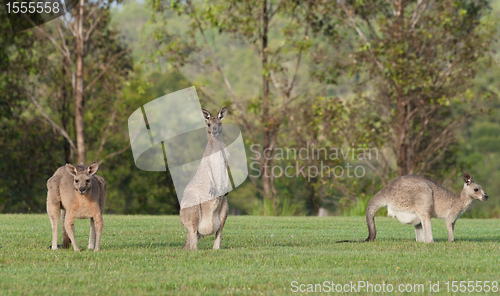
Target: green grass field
x: 259, y: 256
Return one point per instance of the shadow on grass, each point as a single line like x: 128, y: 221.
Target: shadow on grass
x: 350, y: 241
x: 145, y: 245
x: 208, y: 245
x: 477, y: 239
x: 438, y: 240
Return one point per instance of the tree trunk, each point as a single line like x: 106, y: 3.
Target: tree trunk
x: 65, y: 112
x: 402, y: 148
x: 265, y: 168
x: 79, y: 127
x: 313, y: 200
x: 401, y: 102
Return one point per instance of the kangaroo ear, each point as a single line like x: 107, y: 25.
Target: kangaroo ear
x: 71, y: 169
x: 92, y: 168
x: 468, y: 178
x: 222, y: 113
x: 206, y: 115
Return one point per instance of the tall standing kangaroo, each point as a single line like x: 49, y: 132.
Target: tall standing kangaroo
x: 414, y: 200
x: 208, y: 188
x: 76, y: 192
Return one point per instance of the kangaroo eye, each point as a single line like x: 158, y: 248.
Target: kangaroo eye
x: 76, y: 181
x: 209, y: 125
x: 87, y: 181
x: 476, y: 190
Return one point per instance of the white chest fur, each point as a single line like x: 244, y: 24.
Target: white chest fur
x: 404, y: 217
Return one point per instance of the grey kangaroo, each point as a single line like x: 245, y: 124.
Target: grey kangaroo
x: 76, y: 192
x: 204, y: 205
x: 414, y: 200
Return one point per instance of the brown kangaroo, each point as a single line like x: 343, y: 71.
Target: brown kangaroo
x: 76, y: 192
x: 414, y: 200
x: 205, y: 195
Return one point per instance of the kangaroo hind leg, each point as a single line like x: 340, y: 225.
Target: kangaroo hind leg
x: 419, y: 233
x: 53, y: 210
x: 222, y: 217
x: 190, y: 218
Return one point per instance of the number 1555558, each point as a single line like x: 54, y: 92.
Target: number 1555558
x: 472, y: 286
x: 33, y: 7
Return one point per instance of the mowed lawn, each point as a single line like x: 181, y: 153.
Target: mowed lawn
x: 259, y: 256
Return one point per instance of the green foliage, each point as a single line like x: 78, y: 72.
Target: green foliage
x: 23, y: 138
x: 283, y: 207
x: 135, y: 191
x: 420, y: 63
x: 358, y: 208
x: 342, y: 98
x: 480, y: 157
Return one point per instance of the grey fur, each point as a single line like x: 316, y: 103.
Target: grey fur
x: 204, y: 205
x: 414, y: 200
x: 71, y: 196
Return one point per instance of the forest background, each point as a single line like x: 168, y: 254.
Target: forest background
x: 412, y: 84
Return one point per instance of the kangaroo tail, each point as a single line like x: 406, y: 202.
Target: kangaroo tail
x: 373, y: 206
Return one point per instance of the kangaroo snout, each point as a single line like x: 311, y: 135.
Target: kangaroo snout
x: 82, y: 190
x: 215, y: 129
x: 485, y: 197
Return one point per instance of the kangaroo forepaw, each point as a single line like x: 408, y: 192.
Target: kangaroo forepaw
x: 212, y: 191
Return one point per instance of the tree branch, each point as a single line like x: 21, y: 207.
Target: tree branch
x: 393, y: 9
x: 105, y: 134
x: 94, y: 25
x: 297, y: 66
x: 377, y: 172
x: 419, y: 11
x: 251, y: 178
x: 48, y: 36
x: 67, y: 56
x: 111, y: 60
x: 353, y: 24
x: 115, y: 153
x: 218, y: 68
x: 54, y: 125
x: 273, y: 12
